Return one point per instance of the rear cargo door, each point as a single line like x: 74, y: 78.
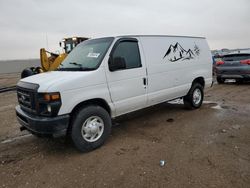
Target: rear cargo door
x: 128, y: 86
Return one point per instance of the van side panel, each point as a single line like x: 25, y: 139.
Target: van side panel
x: 168, y: 77
x: 172, y: 65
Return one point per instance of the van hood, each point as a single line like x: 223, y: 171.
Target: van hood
x: 65, y: 80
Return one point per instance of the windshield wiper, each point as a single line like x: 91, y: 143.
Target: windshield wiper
x: 76, y: 69
x: 74, y: 63
x: 81, y: 67
x: 86, y: 68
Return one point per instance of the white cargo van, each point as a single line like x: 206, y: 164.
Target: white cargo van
x: 107, y: 77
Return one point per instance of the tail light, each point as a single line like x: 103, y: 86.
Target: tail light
x: 245, y: 62
x: 220, y: 63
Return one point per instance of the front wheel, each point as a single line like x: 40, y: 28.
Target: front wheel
x: 195, y: 96
x: 91, y: 126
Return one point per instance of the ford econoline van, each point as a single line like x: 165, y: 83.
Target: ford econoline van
x: 104, y: 78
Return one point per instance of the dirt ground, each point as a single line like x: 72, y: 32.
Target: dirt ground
x: 10, y: 79
x: 208, y: 147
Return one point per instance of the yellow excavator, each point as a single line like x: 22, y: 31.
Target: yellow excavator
x: 51, y: 61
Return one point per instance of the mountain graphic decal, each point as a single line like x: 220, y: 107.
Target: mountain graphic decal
x: 177, y: 52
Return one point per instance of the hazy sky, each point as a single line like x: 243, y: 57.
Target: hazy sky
x: 24, y: 24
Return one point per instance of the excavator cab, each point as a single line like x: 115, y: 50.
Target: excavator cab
x: 51, y: 61
x: 68, y: 44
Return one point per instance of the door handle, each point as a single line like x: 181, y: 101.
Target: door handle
x: 144, y: 81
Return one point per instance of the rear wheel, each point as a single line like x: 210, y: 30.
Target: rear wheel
x: 220, y: 80
x: 194, y: 98
x: 239, y: 81
x: 91, y: 126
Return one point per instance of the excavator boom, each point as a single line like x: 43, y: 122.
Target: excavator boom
x: 52, y: 62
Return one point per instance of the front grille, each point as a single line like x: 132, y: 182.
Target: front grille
x: 26, y: 99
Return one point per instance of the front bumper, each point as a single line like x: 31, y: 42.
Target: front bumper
x: 55, y: 126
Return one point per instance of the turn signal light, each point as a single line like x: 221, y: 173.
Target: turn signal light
x: 245, y: 62
x: 51, y: 96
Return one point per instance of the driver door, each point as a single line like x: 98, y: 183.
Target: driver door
x: 128, y: 85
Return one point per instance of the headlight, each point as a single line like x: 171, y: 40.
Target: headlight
x: 49, y: 108
x: 49, y: 104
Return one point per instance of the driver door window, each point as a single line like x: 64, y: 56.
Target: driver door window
x: 130, y: 52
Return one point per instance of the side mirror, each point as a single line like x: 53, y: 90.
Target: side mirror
x: 60, y: 44
x: 117, y: 63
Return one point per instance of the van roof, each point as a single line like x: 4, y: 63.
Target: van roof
x: 160, y: 36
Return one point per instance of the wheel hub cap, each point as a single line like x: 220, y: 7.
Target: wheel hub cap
x: 92, y: 129
x: 197, y: 96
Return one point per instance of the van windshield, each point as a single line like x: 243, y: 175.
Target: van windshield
x: 86, y: 56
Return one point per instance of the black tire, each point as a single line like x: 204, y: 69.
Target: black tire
x: 189, y: 100
x: 27, y: 72
x: 79, y: 119
x: 220, y: 80
x: 239, y: 81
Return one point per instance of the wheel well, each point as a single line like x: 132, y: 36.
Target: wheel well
x: 199, y: 80
x: 99, y: 102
